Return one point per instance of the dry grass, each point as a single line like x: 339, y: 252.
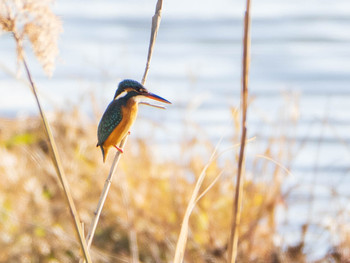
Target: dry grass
x: 149, y: 198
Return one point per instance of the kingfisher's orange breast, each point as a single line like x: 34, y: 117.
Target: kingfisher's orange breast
x: 129, y: 113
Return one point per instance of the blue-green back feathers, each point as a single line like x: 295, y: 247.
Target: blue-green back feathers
x: 110, y: 119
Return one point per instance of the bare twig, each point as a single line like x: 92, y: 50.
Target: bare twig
x: 56, y: 160
x: 238, y: 196
x: 155, y: 25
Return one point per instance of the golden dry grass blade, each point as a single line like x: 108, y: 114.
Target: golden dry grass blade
x: 209, y: 187
x: 275, y: 162
x: 182, y: 240
x: 58, y: 166
x: 219, y: 175
x: 155, y: 25
x: 238, y: 196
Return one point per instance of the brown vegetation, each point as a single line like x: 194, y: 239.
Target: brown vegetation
x: 146, y: 198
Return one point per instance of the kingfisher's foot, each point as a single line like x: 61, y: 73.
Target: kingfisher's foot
x: 128, y: 132
x: 119, y: 149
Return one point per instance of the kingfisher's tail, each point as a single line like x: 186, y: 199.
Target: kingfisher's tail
x: 103, y: 152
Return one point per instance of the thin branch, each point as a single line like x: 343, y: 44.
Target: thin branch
x: 155, y: 26
x: 238, y: 197
x: 57, y: 162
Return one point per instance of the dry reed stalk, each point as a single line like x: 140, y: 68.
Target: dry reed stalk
x: 37, y: 21
x: 154, y: 31
x: 238, y: 195
x: 58, y: 164
x: 155, y: 26
x: 103, y: 196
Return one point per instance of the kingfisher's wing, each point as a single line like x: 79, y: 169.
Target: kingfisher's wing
x: 110, y: 119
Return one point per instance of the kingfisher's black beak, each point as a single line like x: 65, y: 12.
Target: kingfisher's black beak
x: 155, y: 97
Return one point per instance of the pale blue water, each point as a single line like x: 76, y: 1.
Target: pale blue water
x: 300, y: 68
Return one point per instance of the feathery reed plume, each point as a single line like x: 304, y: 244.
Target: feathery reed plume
x: 238, y: 196
x: 155, y: 25
x: 35, y: 20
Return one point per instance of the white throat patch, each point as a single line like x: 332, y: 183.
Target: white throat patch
x: 139, y: 98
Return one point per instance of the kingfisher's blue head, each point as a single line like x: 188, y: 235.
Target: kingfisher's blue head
x: 133, y: 89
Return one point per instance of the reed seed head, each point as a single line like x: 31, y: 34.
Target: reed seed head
x: 35, y: 21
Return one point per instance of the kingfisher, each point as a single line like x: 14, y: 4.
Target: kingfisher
x: 121, y: 113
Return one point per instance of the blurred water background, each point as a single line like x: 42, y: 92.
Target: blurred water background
x: 299, y: 84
